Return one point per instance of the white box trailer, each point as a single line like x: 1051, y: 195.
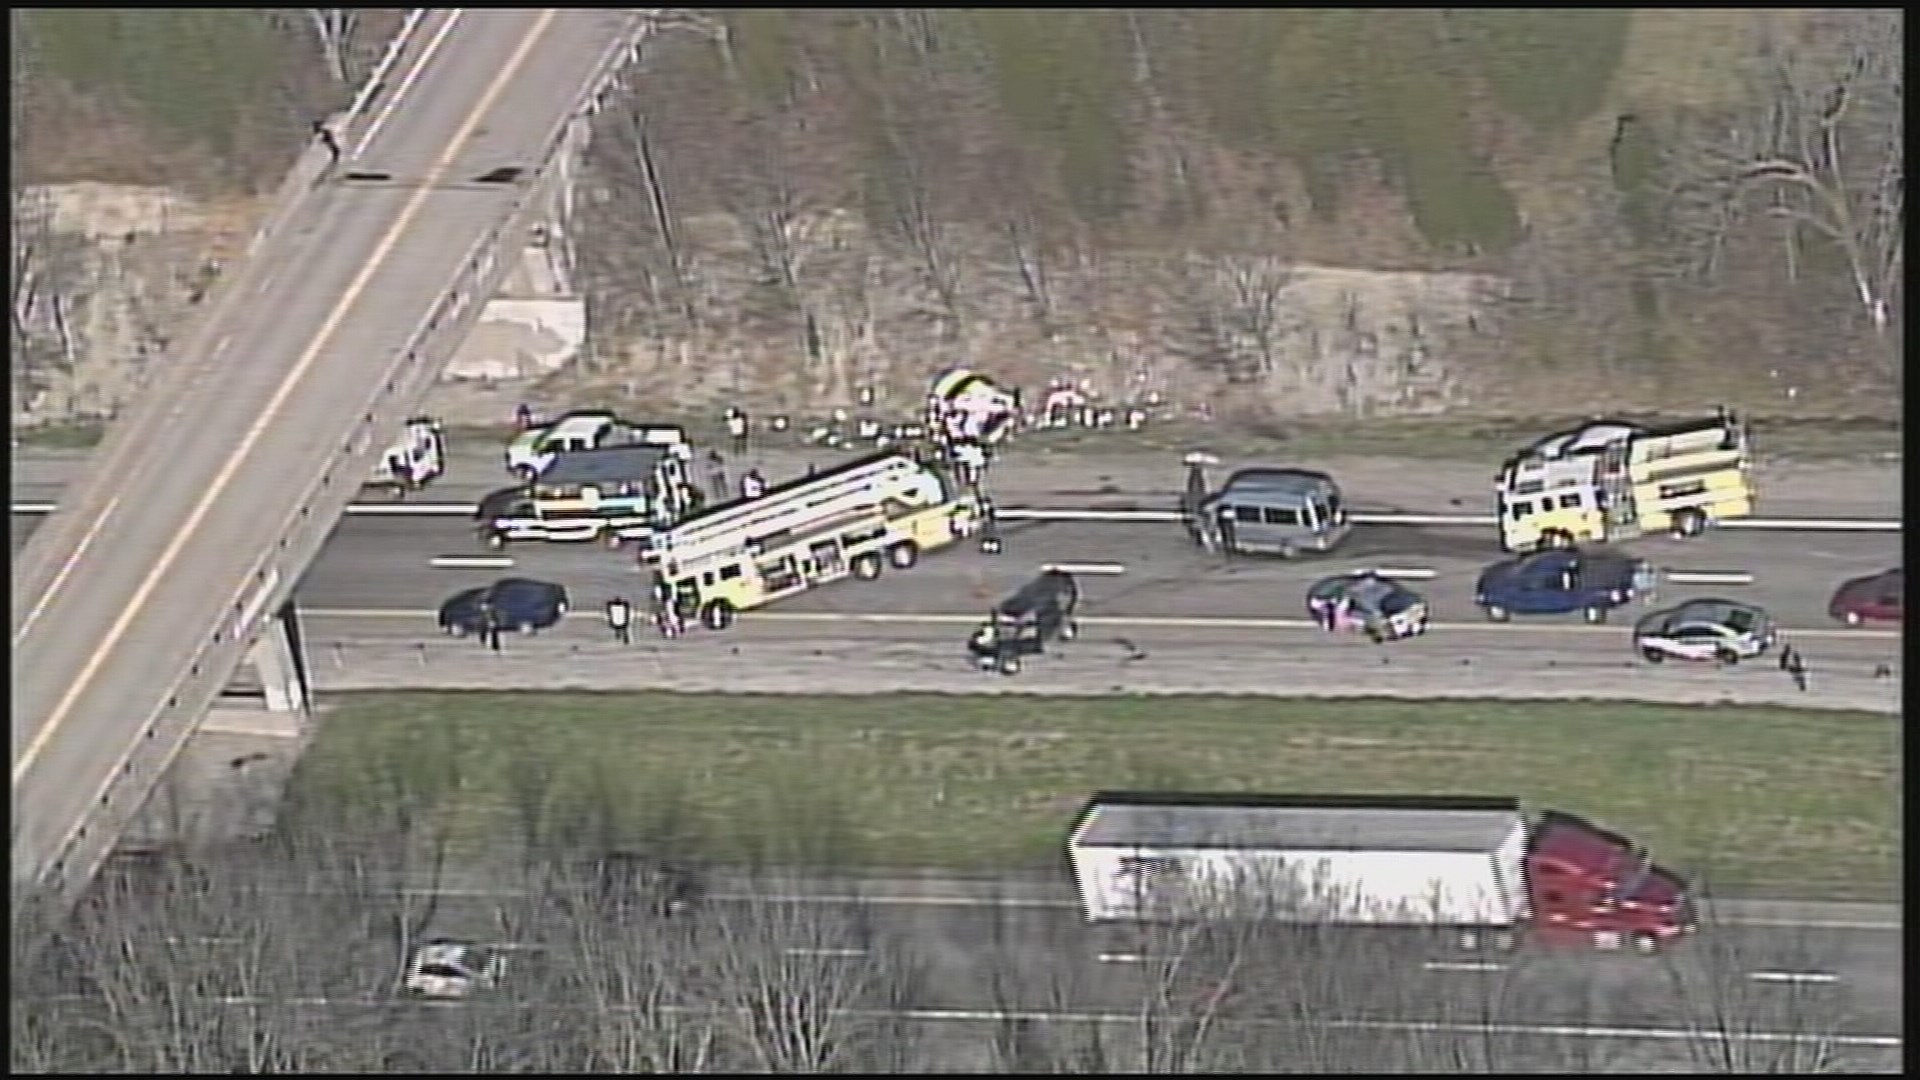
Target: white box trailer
x: 1338, y: 860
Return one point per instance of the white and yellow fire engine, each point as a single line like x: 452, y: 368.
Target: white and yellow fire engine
x: 856, y: 520
x: 1611, y: 481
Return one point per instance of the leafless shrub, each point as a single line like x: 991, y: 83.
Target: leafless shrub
x: 796, y: 986
x: 1750, y: 997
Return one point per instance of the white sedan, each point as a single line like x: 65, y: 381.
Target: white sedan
x: 451, y: 970
x: 1723, y: 631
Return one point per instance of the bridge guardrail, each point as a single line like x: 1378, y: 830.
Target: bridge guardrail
x: 151, y: 753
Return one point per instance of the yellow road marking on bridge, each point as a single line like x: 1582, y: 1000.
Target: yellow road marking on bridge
x: 271, y: 414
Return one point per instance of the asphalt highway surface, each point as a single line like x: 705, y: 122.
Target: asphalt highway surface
x: 1173, y: 619
x: 1031, y: 473
x: 1053, y: 955
x: 1811, y: 975
x: 158, y: 544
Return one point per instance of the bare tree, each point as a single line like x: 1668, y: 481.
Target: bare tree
x: 909, y: 145
x: 1755, y: 1002
x: 1235, y: 304
x: 1820, y: 156
x: 333, y: 31
x: 795, y: 985
x: 667, y: 274
x: 47, y: 269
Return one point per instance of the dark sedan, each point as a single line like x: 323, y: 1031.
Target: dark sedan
x: 1875, y: 598
x: 511, y: 603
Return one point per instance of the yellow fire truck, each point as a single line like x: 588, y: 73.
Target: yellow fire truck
x: 855, y: 520
x: 1611, y: 481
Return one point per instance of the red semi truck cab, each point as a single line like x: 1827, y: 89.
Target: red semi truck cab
x: 1588, y: 886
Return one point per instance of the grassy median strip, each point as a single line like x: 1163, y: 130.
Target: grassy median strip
x: 1770, y: 801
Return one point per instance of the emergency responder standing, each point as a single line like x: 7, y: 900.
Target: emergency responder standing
x: 753, y: 485
x: 716, y: 476
x: 1795, y: 666
x: 970, y: 461
x: 620, y: 620
x: 737, y: 426
x: 402, y: 470
x: 989, y: 527
x: 522, y: 416
x: 1226, y: 530
x: 1193, y: 499
x: 490, y: 626
x: 666, y: 614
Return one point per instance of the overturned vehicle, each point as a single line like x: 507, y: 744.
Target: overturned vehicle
x: 1022, y: 624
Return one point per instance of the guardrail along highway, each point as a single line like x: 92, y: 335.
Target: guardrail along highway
x: 139, y: 597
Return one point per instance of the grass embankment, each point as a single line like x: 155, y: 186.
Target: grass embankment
x: 1759, y: 800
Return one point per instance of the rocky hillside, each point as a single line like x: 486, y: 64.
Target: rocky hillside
x: 1348, y: 212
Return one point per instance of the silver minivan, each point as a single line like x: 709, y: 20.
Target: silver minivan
x: 1269, y: 511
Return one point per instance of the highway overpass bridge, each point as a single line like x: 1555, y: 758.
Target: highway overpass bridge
x: 170, y: 561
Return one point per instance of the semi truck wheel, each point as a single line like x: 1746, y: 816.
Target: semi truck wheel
x: 717, y: 615
x: 1689, y: 523
x: 1010, y: 666
x: 1645, y: 944
x: 867, y: 567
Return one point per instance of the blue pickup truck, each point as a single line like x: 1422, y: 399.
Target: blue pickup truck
x: 1561, y: 581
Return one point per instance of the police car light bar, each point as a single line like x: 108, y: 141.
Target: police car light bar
x: 1085, y: 568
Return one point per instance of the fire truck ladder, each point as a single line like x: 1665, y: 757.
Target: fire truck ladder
x: 797, y: 505
x: 1615, y: 483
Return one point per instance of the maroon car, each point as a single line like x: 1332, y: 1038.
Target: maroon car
x: 1874, y: 598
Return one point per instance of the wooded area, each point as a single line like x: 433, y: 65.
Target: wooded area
x: 289, y: 955
x: 1647, y: 206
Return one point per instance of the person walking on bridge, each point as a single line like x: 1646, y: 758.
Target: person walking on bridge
x: 328, y: 139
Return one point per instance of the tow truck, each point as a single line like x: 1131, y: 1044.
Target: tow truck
x: 417, y: 458
x: 612, y: 495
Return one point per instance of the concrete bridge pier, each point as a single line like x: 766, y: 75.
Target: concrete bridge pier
x: 279, y: 661
x: 536, y: 323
